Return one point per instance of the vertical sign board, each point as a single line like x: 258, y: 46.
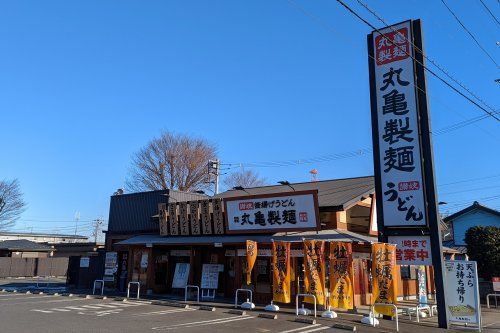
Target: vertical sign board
x: 206, y: 224
x: 194, y: 217
x: 403, y: 158
x: 162, y: 219
x: 218, y: 217
x: 183, y: 218
x: 462, y: 292
x: 397, y: 129
x: 172, y: 216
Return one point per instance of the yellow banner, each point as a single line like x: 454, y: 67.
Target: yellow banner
x: 281, y: 272
x: 385, y: 277
x: 341, y: 276
x: 251, y: 257
x: 314, y: 264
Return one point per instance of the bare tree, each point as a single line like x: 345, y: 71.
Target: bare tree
x: 12, y: 204
x: 171, y: 161
x: 244, y: 178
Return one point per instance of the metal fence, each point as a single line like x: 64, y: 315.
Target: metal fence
x: 30, y: 267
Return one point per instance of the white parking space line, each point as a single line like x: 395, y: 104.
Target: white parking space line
x: 315, y: 329
x: 202, y: 323
x: 300, y: 328
x: 19, y: 297
x: 96, y: 309
x: 163, y: 312
x: 43, y: 311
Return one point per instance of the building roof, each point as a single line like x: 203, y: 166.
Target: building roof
x: 475, y: 206
x: 37, y: 234
x: 24, y: 245
x: 133, y: 212
x: 330, y: 235
x: 337, y: 194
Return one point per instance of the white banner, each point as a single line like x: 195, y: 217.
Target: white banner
x: 462, y: 291
x: 282, y: 211
x: 398, y: 131
x: 412, y: 250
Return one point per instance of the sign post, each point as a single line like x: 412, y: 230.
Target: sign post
x: 462, y: 292
x: 403, y: 157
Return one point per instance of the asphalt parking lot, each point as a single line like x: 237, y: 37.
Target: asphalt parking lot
x: 21, y: 313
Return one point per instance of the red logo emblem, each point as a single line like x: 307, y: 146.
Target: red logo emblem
x: 246, y: 205
x: 303, y: 217
x: 392, y: 46
x: 409, y: 186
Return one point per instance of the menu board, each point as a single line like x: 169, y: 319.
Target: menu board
x: 181, y: 275
x: 210, y: 276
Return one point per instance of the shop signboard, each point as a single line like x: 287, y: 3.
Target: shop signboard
x: 162, y: 219
x: 172, y: 217
x: 397, y: 132
x: 273, y: 212
x: 402, y: 145
x: 412, y: 250
x: 194, y: 217
x: 218, y: 216
x: 183, y: 218
x: 206, y: 223
x: 462, y: 292
x: 210, y: 276
x: 181, y: 275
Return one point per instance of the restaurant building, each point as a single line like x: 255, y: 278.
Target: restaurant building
x: 167, y: 239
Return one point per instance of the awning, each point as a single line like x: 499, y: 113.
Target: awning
x: 327, y: 235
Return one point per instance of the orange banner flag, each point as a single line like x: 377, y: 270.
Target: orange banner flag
x: 281, y: 272
x: 385, y: 277
x: 314, y: 264
x: 251, y: 257
x: 341, y: 276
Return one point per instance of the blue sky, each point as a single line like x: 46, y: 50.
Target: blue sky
x: 84, y: 84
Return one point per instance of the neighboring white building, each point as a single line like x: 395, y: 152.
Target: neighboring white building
x: 43, y: 238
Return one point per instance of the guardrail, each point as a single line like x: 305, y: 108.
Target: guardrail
x: 488, y: 300
x: 197, y: 292
x: 102, y: 286
x: 395, y: 312
x: 248, y: 291
x: 297, y: 303
x: 138, y: 288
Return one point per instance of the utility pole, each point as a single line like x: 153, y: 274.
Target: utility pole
x: 214, y: 169
x: 97, y: 226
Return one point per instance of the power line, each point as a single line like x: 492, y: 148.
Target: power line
x: 493, y: 111
x: 325, y: 25
x: 490, y: 12
x: 470, y: 33
x: 426, y: 68
x: 469, y: 180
